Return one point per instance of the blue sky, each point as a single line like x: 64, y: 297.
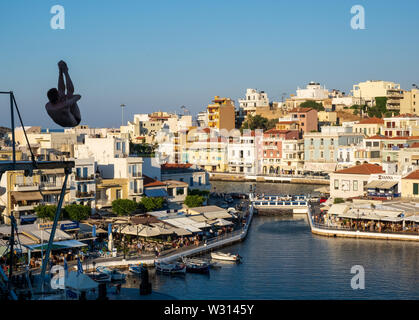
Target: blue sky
x: 160, y: 55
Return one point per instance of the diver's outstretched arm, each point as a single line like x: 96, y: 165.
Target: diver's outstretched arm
x: 61, y: 85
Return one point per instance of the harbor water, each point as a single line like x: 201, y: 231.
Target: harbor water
x: 283, y: 260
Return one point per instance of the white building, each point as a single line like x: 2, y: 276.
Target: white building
x: 83, y: 182
x: 242, y: 154
x: 253, y: 100
x: 313, y: 91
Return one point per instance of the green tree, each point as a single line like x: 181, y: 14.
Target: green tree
x: 194, y: 201
x: 152, y: 204
x: 47, y: 212
x: 194, y: 192
x: 77, y: 212
x: 255, y: 122
x: 313, y: 105
x: 123, y: 207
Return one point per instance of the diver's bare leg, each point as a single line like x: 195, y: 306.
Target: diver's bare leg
x: 74, y: 109
x: 69, y: 84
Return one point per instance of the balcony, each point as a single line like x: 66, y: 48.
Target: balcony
x: 136, y: 175
x: 83, y: 195
x: 87, y: 178
x: 19, y: 207
x: 26, y: 187
x: 52, y: 185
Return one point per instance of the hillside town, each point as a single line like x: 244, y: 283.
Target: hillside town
x: 365, y: 144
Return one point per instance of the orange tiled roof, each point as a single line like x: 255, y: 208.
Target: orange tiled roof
x: 379, y: 137
x: 414, y: 145
x: 372, y: 121
x: 413, y: 176
x: 300, y: 110
x: 366, y: 168
x: 150, y: 182
x: 172, y: 166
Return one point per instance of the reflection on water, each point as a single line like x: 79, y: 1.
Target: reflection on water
x: 267, y: 188
x: 283, y: 260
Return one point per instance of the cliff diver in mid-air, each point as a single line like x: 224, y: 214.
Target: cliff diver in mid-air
x: 62, y: 107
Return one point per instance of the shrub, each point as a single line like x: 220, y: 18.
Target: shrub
x: 152, y: 204
x: 77, y: 212
x: 338, y: 200
x: 123, y: 207
x: 46, y: 212
x: 194, y: 201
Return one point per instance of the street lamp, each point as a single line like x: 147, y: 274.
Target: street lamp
x: 122, y: 109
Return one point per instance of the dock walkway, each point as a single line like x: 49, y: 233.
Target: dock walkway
x: 212, y: 244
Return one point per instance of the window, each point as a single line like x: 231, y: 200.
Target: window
x: 416, y: 188
x: 118, y: 194
x: 200, y: 181
x: 118, y: 146
x: 191, y: 181
x: 336, y: 184
x: 355, y: 186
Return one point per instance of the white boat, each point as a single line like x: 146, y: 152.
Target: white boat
x: 225, y: 256
x: 134, y: 268
x: 171, y: 268
x: 99, y: 277
x: 115, y: 274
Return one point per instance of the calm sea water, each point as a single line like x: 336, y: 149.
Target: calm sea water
x: 283, y: 260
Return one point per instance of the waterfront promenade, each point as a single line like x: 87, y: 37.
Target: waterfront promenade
x: 346, y: 232
x: 298, y: 179
x: 209, y: 245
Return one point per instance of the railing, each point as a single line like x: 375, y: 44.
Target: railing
x: 80, y: 194
x: 89, y: 177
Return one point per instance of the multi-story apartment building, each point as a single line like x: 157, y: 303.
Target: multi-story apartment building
x: 253, y: 100
x: 321, y: 149
x: 221, y: 114
x: 371, y: 89
x: 313, y: 92
x: 410, y: 102
x: 292, y: 161
x: 83, y: 182
x: 242, y: 153
x: 306, y: 117
x: 210, y: 154
x: 120, y: 176
x: 23, y: 193
x: 272, y: 149
x: 401, y: 126
x: 196, y: 177
x: 369, y: 127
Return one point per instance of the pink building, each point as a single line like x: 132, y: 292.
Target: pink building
x: 272, y: 148
x: 307, y: 118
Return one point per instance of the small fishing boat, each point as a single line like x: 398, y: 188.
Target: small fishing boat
x: 196, y: 266
x: 135, y: 268
x: 170, y: 268
x: 225, y: 256
x: 99, y: 277
x: 115, y: 274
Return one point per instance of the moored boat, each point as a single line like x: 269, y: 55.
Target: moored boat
x: 135, y: 268
x: 115, y: 274
x: 170, y: 268
x: 99, y: 277
x: 196, y: 266
x: 225, y: 256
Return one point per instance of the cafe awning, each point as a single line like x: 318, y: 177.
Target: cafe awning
x: 57, y: 245
x: 379, y: 184
x: 26, y: 195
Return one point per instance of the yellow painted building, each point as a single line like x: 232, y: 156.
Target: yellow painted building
x: 221, y: 114
x: 7, y: 155
x: 108, y: 190
x: 410, y: 102
x: 410, y: 185
x: 369, y: 127
x: 20, y: 194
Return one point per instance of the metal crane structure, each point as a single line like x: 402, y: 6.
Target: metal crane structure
x: 28, y: 167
